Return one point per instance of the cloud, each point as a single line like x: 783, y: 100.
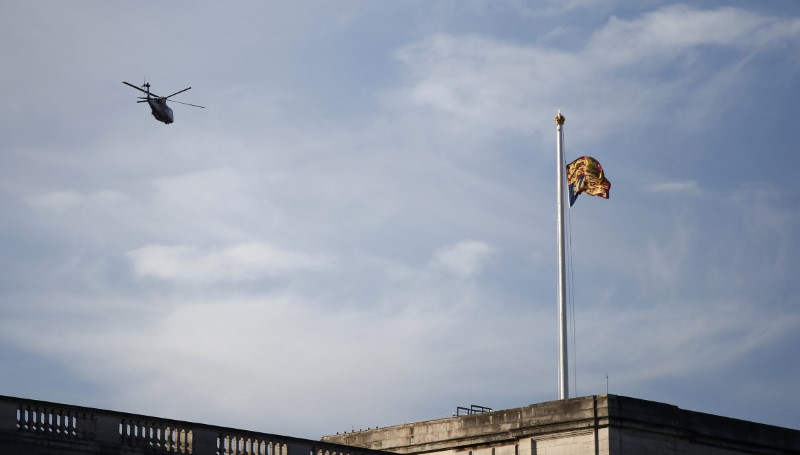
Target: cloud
x: 490, y: 86
x: 679, y: 337
x: 465, y: 259
x: 683, y: 186
x: 667, y: 33
x: 241, y: 262
x: 292, y: 254
x: 64, y: 200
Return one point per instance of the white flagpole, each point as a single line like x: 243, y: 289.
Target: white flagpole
x: 563, y: 375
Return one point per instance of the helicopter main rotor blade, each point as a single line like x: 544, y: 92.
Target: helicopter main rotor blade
x: 188, y: 104
x: 152, y: 95
x: 137, y: 88
x: 187, y: 88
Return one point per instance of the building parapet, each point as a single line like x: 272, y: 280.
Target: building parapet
x: 33, y: 427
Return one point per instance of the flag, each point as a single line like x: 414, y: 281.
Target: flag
x: 585, y: 175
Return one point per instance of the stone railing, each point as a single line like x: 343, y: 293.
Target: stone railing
x: 36, y: 427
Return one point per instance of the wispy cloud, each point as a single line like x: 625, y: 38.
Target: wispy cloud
x: 498, y: 85
x: 61, y: 201
x: 243, y: 262
x: 465, y: 259
x: 684, y: 186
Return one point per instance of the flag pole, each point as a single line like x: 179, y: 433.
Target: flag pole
x: 563, y: 376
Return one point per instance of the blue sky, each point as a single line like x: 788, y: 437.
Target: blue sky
x: 359, y: 230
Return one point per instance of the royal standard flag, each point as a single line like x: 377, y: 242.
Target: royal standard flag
x: 585, y: 175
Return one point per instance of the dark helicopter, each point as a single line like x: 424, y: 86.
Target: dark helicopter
x: 158, y: 104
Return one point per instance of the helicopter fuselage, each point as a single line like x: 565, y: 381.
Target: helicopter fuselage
x: 158, y: 104
x: 160, y: 110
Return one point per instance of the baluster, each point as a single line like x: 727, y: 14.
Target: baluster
x: 173, y: 439
x: 159, y: 435
x: 132, y: 433
x: 182, y: 437
x: 20, y: 413
x: 69, y: 424
x: 73, y: 425
x: 31, y: 419
x: 139, y: 434
x: 28, y: 417
x: 59, y: 422
x: 150, y: 434
x: 168, y: 438
x: 65, y: 423
x: 189, y: 441
x: 226, y: 444
x: 147, y: 430
x: 270, y: 448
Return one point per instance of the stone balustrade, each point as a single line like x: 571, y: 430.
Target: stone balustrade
x: 32, y: 427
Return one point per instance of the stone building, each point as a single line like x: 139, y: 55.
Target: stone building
x: 603, y: 424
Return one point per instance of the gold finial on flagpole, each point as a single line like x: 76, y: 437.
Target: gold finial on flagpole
x: 560, y: 118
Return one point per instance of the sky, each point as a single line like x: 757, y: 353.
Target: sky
x: 359, y: 229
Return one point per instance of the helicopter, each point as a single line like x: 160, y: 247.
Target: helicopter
x: 158, y: 104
